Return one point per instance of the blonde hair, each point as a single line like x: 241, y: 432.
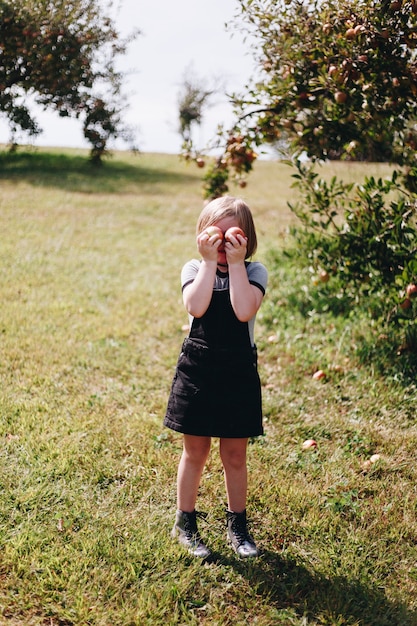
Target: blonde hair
x: 228, y: 206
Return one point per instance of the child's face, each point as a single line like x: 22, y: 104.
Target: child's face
x: 224, y: 224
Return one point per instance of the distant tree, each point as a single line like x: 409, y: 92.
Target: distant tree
x: 337, y: 80
x: 194, y: 98
x: 63, y: 55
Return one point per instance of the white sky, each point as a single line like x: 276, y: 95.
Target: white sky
x: 176, y: 35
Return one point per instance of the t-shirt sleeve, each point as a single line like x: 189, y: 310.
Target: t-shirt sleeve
x: 189, y: 272
x: 258, y: 275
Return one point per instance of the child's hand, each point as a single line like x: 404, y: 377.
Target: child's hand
x: 208, y: 245
x: 235, y: 248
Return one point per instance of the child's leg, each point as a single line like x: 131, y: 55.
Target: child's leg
x: 193, y: 458
x: 233, y: 456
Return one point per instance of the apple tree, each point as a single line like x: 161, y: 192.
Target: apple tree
x: 337, y: 80
x: 62, y: 55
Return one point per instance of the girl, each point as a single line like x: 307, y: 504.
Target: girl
x: 216, y: 390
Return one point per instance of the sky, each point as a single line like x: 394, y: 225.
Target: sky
x: 178, y: 37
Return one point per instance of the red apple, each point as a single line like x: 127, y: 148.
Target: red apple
x: 319, y: 375
x: 309, y: 444
x: 200, y: 162
x: 233, y: 232
x: 411, y: 290
x: 324, y: 276
x: 405, y: 304
x: 340, y: 97
x: 214, y: 231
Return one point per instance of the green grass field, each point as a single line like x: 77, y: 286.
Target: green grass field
x: 91, y: 325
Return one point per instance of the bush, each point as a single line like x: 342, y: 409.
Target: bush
x: 364, y: 237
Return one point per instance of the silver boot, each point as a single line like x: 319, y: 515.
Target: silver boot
x: 237, y: 532
x: 186, y: 531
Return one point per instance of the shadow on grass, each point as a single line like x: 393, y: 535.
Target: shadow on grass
x: 289, y: 585
x: 76, y: 173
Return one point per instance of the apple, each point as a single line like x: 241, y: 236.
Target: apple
x: 319, y: 375
x: 324, y: 276
x: 200, y: 162
x: 405, y: 304
x: 351, y: 147
x: 411, y: 290
x: 309, y: 444
x: 375, y: 458
x: 360, y: 28
x: 214, y: 231
x: 340, y: 97
x: 233, y: 232
x: 350, y: 33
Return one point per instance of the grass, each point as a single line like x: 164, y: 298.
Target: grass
x: 91, y: 325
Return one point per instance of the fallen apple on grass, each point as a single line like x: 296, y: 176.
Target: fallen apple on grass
x: 319, y: 375
x: 309, y: 444
x: 366, y: 465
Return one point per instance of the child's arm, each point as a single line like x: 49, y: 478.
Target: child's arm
x: 197, y: 295
x: 245, y: 298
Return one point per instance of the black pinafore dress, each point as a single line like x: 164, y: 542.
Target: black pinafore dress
x: 216, y: 390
